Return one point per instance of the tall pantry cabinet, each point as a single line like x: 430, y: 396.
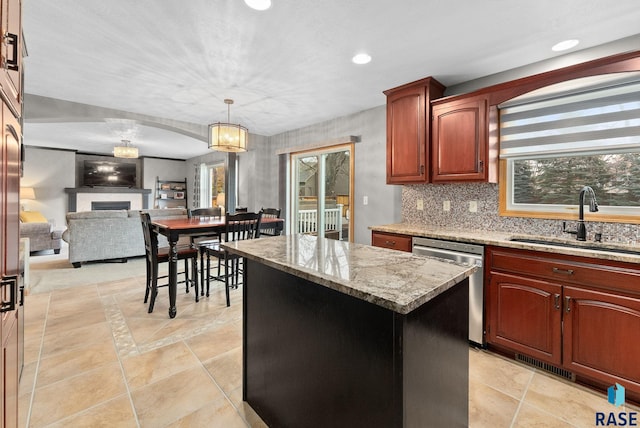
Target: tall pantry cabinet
x: 11, y: 93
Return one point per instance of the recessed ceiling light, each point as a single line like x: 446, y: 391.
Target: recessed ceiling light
x: 563, y: 46
x: 361, y: 58
x: 258, y: 4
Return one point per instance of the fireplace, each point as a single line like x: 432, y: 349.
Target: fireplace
x: 84, y: 198
x: 110, y: 205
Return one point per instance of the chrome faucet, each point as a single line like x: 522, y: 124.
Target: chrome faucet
x: 581, y: 230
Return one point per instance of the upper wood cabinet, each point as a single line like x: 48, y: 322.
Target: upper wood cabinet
x: 459, y: 141
x: 11, y: 55
x: 409, y: 130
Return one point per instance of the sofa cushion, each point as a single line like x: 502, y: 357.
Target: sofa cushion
x: 32, y: 217
x: 98, y: 214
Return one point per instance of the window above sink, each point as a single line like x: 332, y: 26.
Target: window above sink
x: 582, y: 132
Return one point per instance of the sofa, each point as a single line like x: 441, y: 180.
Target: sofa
x: 42, y: 236
x: 110, y: 234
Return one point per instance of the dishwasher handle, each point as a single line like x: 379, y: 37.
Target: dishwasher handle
x: 446, y: 254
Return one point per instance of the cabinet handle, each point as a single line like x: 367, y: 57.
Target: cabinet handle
x: 563, y: 271
x: 12, y: 39
x: 567, y: 304
x: 421, y: 169
x: 392, y: 243
x: 481, y: 166
x: 11, y: 282
x: 556, y: 301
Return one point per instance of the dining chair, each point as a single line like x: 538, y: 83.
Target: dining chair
x: 270, y: 213
x: 238, y: 227
x: 202, y: 241
x: 156, y: 255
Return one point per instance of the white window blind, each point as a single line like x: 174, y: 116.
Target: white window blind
x: 605, y: 119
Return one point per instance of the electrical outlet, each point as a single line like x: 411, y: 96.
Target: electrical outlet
x: 446, y: 206
x: 473, y: 206
x: 420, y: 204
x: 365, y: 200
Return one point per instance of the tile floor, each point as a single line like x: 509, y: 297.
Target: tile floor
x: 94, y: 357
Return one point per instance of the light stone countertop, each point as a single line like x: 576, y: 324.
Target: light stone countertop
x: 503, y: 239
x: 395, y: 280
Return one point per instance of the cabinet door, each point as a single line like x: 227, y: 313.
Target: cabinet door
x: 407, y: 150
x: 11, y: 72
x: 602, y: 336
x: 525, y: 315
x: 459, y: 142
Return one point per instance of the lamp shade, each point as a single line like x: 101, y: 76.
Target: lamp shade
x: 126, y: 150
x: 27, y: 193
x: 220, y: 199
x: 228, y: 137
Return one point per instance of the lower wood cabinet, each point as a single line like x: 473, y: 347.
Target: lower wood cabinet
x: 526, y: 316
x: 602, y: 335
x: 392, y: 241
x: 566, y: 311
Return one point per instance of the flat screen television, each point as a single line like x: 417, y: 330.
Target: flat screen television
x: 108, y: 174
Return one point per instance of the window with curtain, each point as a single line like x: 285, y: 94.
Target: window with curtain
x: 553, y: 145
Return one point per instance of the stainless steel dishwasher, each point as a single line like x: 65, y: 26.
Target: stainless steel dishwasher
x: 462, y: 253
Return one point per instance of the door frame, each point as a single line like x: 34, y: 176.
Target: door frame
x: 293, y: 189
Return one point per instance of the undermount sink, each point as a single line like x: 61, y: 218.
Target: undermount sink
x: 580, y: 245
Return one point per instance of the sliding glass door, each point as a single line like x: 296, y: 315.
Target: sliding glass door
x: 322, y: 192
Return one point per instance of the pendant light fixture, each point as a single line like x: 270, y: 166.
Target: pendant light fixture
x: 228, y: 137
x: 125, y: 150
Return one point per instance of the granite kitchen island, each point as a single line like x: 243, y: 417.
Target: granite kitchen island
x: 346, y: 335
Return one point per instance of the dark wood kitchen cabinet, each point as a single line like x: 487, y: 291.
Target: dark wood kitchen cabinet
x: 11, y: 53
x: 459, y: 141
x: 602, y: 335
x: 526, y: 316
x: 392, y: 241
x: 409, y: 130
x: 577, y: 313
x: 11, y: 312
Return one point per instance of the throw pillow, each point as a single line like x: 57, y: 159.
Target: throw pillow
x: 32, y: 217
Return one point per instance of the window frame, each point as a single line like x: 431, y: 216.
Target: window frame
x: 506, y: 208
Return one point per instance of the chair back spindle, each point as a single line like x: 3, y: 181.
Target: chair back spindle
x: 270, y: 213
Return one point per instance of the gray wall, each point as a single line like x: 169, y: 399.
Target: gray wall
x: 49, y: 172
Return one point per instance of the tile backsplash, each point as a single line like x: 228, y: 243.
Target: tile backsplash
x: 485, y: 195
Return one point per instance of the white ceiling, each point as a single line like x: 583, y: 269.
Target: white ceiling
x: 287, y: 67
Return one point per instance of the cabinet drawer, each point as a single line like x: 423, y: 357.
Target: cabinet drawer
x: 391, y: 241
x: 567, y: 269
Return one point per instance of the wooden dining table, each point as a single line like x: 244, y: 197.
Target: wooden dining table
x: 176, y: 228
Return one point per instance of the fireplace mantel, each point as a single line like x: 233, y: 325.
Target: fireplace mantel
x: 80, y: 201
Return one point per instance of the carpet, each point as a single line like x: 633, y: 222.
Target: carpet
x: 47, y: 273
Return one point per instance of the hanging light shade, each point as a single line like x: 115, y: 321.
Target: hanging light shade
x: 228, y: 137
x: 126, y: 150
